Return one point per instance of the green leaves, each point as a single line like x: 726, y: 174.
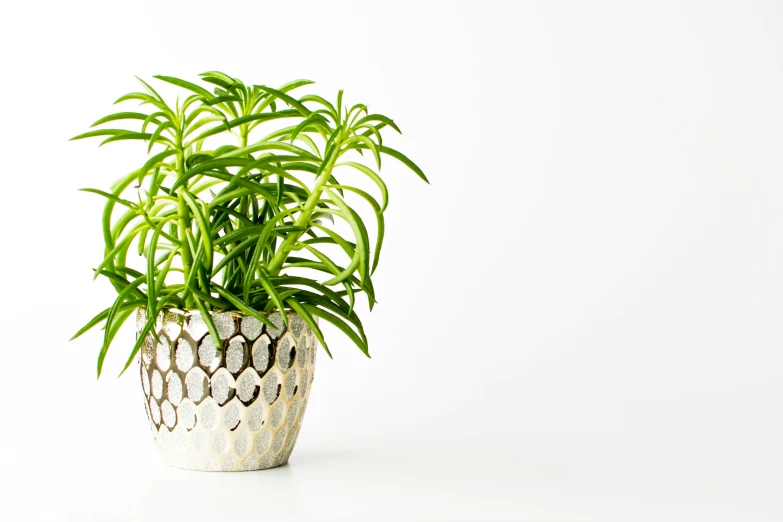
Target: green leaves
x: 187, y: 85
x: 226, y: 214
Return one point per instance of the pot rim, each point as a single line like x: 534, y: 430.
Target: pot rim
x: 191, y: 311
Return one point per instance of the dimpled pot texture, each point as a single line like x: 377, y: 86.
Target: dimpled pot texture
x: 235, y: 407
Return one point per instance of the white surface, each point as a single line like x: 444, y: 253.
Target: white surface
x: 579, y: 319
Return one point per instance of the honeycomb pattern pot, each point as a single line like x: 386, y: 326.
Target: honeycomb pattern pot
x: 235, y: 407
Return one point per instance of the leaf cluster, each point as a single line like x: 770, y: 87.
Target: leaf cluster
x: 253, y: 225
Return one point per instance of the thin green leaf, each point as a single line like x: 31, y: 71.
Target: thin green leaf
x: 186, y: 85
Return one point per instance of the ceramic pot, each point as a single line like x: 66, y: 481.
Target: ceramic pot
x: 234, y: 407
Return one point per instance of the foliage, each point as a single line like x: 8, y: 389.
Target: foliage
x: 252, y: 226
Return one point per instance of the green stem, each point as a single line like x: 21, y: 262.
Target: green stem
x: 184, y: 226
x: 276, y: 264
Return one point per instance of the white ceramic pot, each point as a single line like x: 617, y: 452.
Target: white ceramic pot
x: 236, y: 407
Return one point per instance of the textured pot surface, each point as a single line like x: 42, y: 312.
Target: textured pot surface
x: 238, y: 407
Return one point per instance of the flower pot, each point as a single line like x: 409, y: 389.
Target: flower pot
x: 235, y: 407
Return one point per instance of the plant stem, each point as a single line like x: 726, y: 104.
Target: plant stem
x: 276, y: 264
x: 184, y: 225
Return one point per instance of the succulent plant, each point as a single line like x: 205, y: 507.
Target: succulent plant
x: 255, y: 225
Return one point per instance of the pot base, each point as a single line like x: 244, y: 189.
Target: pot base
x: 211, y: 469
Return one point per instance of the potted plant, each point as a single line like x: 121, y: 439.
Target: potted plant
x: 228, y: 245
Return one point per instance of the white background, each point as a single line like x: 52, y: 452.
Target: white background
x: 580, y: 319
